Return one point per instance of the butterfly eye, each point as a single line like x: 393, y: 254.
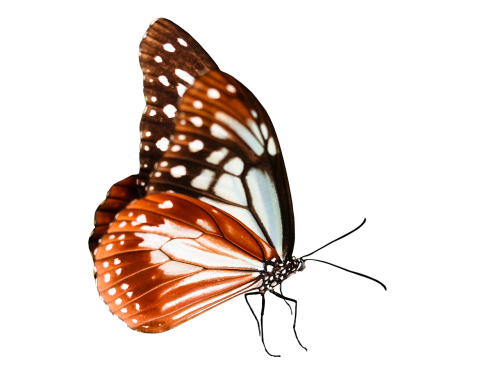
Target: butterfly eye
x: 302, y: 267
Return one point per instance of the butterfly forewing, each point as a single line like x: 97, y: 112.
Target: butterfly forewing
x: 225, y: 152
x: 170, y: 60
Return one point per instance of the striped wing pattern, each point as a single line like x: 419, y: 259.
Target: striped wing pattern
x: 225, y: 152
x: 167, y: 258
x: 170, y: 60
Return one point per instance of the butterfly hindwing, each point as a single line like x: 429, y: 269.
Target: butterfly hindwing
x: 117, y: 198
x: 167, y: 258
x: 225, y: 152
x: 170, y: 60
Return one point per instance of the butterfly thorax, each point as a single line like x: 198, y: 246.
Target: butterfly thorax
x: 277, y: 271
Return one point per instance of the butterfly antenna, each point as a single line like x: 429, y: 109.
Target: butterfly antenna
x: 260, y: 327
x: 329, y: 243
x: 345, y: 269
x: 306, y: 257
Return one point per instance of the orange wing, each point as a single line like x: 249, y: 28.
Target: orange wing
x: 168, y: 258
x: 117, y: 198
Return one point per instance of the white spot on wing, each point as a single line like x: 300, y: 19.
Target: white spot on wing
x: 174, y: 268
x: 158, y: 256
x: 112, y: 291
x: 197, y: 121
x: 178, y: 171
x: 170, y: 110
x: 255, y: 130
x: 152, y: 240
x: 203, y: 223
x: 152, y: 112
x: 230, y: 188
x: 242, y: 131
x: 263, y: 129
x: 182, y: 42
x: 168, y: 47
x: 158, y: 59
x: 234, y: 166
x: 231, y: 88
x: 162, y: 144
x: 213, y: 94
x: 204, y: 180
x: 184, y: 76
x: 218, y: 131
x: 166, y: 204
x: 216, y: 156
x: 107, y: 277
x: 164, y: 163
x: 181, y: 89
x: 271, y: 147
x: 172, y: 229
x: 164, y: 80
x: 197, y: 104
x: 196, y: 145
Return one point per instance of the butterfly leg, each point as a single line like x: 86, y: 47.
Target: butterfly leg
x: 281, y: 292
x: 286, y: 300
x: 250, y: 307
x: 260, y: 323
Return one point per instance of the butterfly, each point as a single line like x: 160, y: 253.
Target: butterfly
x: 209, y: 216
